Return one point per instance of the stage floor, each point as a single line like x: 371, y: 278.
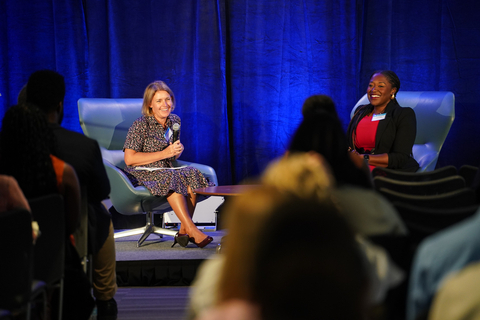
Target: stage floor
x: 156, y: 263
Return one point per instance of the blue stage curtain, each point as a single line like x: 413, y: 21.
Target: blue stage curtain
x: 43, y: 35
x: 303, y: 48
x: 241, y: 69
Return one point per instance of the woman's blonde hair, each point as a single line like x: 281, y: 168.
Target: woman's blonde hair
x: 150, y: 91
x: 305, y: 174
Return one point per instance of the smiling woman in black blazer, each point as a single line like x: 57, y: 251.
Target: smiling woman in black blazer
x: 383, y: 132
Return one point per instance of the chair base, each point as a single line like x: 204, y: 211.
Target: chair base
x: 146, y: 231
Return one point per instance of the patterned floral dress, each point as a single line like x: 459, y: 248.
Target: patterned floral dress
x: 147, y: 135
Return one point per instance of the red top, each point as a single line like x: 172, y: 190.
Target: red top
x: 365, y: 134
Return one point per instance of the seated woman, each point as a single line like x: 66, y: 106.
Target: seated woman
x: 382, y: 132
x: 321, y: 132
x: 150, y: 143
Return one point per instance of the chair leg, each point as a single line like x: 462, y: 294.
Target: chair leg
x: 146, y: 231
x: 60, y: 304
x: 151, y: 228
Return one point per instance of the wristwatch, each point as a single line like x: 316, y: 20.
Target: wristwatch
x: 366, y: 157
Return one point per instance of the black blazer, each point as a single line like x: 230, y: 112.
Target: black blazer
x: 395, y: 135
x: 84, y: 155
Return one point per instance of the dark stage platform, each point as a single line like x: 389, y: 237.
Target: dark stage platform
x: 155, y: 263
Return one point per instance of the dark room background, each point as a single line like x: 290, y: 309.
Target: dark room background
x: 241, y: 69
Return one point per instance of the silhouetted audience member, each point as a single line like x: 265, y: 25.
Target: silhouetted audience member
x: 306, y: 171
x: 369, y: 215
x: 322, y: 132
x: 304, y: 177
x: 26, y: 145
x: 325, y: 263
x: 322, y: 276
x: 46, y: 89
x: 318, y: 104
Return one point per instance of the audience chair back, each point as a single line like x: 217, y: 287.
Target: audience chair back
x: 108, y: 122
x: 454, y: 199
x: 422, y: 222
x: 49, y: 250
x: 439, y: 186
x: 435, y: 112
x: 436, y: 174
x: 468, y: 172
x: 16, y: 272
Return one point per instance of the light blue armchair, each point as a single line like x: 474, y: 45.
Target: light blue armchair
x: 435, y: 111
x: 108, y: 121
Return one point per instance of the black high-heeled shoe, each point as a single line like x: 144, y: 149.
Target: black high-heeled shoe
x: 181, y: 239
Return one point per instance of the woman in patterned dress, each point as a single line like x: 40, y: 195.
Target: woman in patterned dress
x: 149, y: 143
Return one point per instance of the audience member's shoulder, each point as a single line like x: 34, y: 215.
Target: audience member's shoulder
x: 67, y: 134
x: 7, y: 183
x: 370, y: 212
x: 455, y: 236
x: 5, y: 179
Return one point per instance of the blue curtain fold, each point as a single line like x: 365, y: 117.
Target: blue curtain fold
x: 241, y: 69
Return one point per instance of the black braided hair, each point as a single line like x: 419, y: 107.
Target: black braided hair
x: 26, y: 143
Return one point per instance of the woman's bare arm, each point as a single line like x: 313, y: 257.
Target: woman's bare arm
x: 135, y: 158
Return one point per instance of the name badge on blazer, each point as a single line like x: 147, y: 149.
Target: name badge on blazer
x: 377, y: 117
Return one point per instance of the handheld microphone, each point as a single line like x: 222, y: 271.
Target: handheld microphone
x: 176, y: 131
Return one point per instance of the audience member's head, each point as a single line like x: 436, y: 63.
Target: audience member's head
x: 289, y: 275
x: 319, y: 272
x: 245, y: 217
x: 323, y: 134
x: 25, y: 146
x: 46, y: 90
x: 318, y: 104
